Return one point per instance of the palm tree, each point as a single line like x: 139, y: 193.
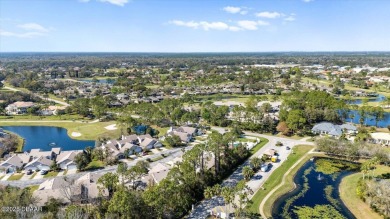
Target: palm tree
x: 256, y: 163
x: 208, y: 192
x: 247, y: 172
x: 228, y: 196
x: 365, y: 168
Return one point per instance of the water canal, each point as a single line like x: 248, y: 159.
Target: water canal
x: 317, y: 183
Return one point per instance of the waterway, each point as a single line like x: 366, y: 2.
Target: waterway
x: 369, y: 121
x: 100, y: 81
x: 378, y: 98
x: 314, y: 195
x: 46, y: 137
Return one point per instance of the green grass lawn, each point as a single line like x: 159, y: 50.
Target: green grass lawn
x: 276, y: 178
x: 348, y: 195
x: 33, y: 188
x: 95, y: 164
x: 50, y: 174
x: 157, y: 158
x: 257, y: 147
x: 33, y: 175
x: 16, y: 176
x: 162, y: 131
x: 65, y: 172
x: 89, y: 131
x: 1, y: 177
x: 246, y: 140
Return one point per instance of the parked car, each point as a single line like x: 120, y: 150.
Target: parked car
x: 29, y: 171
x: 44, y: 172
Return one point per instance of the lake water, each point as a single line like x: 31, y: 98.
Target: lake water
x: 42, y: 136
x: 315, y: 195
x: 370, y: 121
x: 100, y: 81
x: 379, y: 98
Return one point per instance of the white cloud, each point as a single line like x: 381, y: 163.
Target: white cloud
x: 251, y: 25
x: 268, y: 14
x: 240, y: 25
x: 33, y: 27
x: 214, y: 25
x: 307, y: 1
x: 236, y: 10
x: 202, y: 24
x: 232, y: 10
x: 290, y: 18
x: 248, y: 25
x: 116, y: 2
x: 21, y: 35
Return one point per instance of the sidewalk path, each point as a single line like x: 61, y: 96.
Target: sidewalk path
x: 261, y: 206
x: 255, y: 183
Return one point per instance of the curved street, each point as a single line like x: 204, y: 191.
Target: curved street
x: 256, y: 182
x: 172, y: 154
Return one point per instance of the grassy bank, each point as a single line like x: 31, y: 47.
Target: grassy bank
x: 16, y: 176
x: 19, y: 147
x: 257, y: 147
x: 276, y: 178
x: 88, y: 131
x: 359, y: 209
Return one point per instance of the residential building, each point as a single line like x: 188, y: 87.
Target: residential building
x: 380, y: 138
x: 327, y: 128
x: 12, y: 164
x: 65, y: 160
x: 19, y: 107
x: 40, y: 163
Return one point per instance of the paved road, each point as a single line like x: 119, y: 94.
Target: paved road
x: 172, y: 154
x: 49, y: 99
x: 261, y: 206
x: 202, y: 209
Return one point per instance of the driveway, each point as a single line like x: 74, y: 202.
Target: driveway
x: 71, y: 171
x: 5, y: 178
x: 38, y: 179
x: 203, y: 208
x: 38, y: 176
x: 26, y: 177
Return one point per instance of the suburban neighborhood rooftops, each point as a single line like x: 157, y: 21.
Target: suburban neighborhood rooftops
x: 55, y: 183
x: 14, y: 161
x: 22, y: 104
x: 332, y: 129
x: 380, y: 135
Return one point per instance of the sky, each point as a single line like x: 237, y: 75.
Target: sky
x: 194, y: 25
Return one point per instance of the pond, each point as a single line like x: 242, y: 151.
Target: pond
x: 100, y: 81
x: 46, y: 137
x: 354, y: 114
x: 378, y: 98
x: 315, y: 186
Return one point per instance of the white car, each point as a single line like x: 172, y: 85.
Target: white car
x: 43, y: 172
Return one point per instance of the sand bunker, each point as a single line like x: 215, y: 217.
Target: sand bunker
x: 111, y: 127
x: 76, y: 134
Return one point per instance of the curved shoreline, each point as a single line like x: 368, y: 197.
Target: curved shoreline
x: 19, y: 148
x: 286, y: 174
x: 66, y: 124
x: 357, y: 207
x: 288, y: 183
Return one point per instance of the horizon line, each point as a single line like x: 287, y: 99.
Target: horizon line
x: 287, y: 51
